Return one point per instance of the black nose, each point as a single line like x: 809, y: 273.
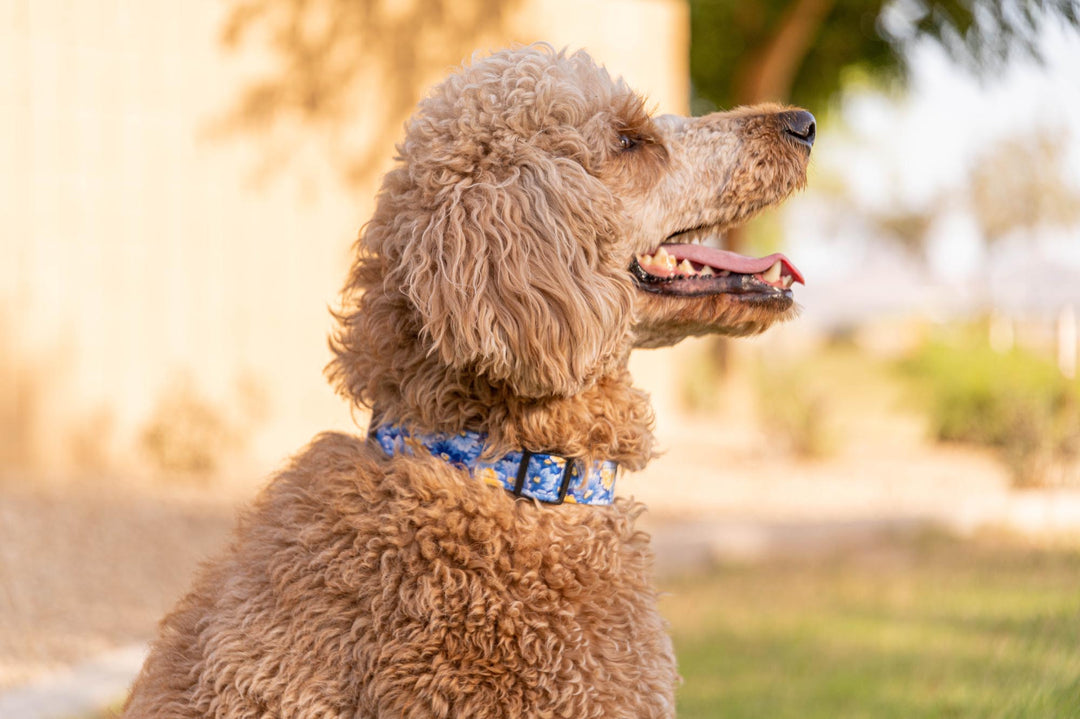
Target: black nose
x: 800, y: 126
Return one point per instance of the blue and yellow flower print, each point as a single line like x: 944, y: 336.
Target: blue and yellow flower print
x: 544, y: 474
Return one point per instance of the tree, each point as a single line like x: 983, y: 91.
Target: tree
x: 1018, y: 185
x: 799, y: 51
x: 1022, y: 184
x: 741, y: 53
x: 906, y: 228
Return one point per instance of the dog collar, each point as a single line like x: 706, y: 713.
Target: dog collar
x: 548, y: 478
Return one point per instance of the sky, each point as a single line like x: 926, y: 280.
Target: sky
x: 949, y: 116
x: 906, y: 150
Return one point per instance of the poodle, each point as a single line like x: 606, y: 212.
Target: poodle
x: 468, y: 557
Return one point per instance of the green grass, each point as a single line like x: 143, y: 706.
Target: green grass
x: 902, y: 629
x: 927, y: 628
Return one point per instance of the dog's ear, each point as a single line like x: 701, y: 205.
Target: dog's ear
x: 515, y: 278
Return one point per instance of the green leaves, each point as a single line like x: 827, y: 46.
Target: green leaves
x: 732, y: 40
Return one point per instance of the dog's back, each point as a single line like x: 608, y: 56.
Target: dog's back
x: 362, y: 586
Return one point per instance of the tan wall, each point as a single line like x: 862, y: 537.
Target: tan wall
x: 645, y: 41
x: 136, y: 248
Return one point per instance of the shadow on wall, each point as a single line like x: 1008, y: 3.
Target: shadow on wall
x: 326, y: 54
x: 190, y: 437
x: 19, y: 393
x: 32, y: 387
x: 187, y: 437
x: 141, y: 123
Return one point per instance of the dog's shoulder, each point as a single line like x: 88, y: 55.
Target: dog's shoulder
x: 331, y: 452
x: 333, y: 470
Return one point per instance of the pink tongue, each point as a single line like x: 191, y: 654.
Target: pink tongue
x: 732, y: 261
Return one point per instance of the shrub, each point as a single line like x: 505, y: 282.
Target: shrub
x: 1015, y: 401
x: 797, y: 411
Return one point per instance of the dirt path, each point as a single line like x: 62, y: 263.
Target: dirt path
x: 85, y: 571
x: 81, y: 690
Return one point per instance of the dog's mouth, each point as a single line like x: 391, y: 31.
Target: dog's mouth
x: 688, y: 264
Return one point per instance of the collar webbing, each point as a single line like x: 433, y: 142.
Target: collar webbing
x: 548, y: 478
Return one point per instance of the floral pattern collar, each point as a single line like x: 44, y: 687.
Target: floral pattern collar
x: 547, y: 478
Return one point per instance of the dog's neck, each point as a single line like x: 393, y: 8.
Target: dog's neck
x: 609, y: 420
x: 544, y: 477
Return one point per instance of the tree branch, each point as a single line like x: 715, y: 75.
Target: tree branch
x: 768, y: 73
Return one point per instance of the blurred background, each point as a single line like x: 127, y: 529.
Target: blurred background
x: 871, y: 511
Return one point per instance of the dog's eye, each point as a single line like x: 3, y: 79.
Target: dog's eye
x: 627, y: 142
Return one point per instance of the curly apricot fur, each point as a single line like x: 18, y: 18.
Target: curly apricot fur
x: 490, y: 291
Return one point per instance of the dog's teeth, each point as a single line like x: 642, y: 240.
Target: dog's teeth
x: 685, y: 268
x: 663, y: 260
x: 772, y: 274
x: 661, y: 264
x: 700, y: 236
x: 787, y: 281
x: 714, y: 239
x: 707, y: 271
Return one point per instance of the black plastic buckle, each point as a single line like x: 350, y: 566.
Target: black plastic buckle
x: 523, y: 473
x: 567, y: 475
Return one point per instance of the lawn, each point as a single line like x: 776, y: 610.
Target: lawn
x: 905, y: 629
x: 933, y: 627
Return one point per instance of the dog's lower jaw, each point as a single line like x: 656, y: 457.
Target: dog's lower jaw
x: 662, y: 321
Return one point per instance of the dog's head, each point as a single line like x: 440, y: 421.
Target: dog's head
x: 540, y: 224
